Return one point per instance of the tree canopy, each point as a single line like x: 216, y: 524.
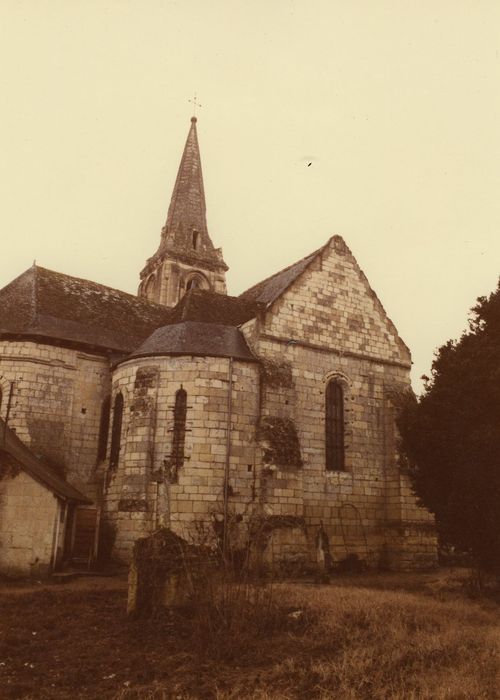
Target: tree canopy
x: 450, y: 437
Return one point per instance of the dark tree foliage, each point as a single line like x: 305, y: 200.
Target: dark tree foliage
x: 450, y: 437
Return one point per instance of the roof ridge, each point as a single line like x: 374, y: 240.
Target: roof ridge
x: 55, y: 306
x: 305, y: 261
x: 34, y: 295
x: 141, y: 300
x: 283, y: 269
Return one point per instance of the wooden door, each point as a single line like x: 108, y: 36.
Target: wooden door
x: 85, y: 535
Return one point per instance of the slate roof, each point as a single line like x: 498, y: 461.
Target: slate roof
x: 18, y: 453
x: 196, y: 338
x: 211, y: 307
x: 267, y: 291
x: 187, y: 206
x: 41, y: 303
x: 186, y: 215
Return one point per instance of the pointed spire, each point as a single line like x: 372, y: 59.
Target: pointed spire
x: 187, y: 211
x: 186, y: 257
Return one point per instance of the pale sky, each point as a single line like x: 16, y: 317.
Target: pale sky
x: 395, y: 104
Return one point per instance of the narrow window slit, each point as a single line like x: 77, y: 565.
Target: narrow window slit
x: 334, y: 427
x: 116, y: 432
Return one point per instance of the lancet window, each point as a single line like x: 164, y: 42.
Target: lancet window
x: 116, y: 431
x: 102, y: 445
x: 179, y: 431
x: 334, y: 426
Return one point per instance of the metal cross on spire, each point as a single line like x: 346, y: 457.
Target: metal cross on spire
x: 195, y: 104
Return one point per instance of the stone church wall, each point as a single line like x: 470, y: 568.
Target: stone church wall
x: 56, y: 404
x: 146, y: 490
x: 364, y: 509
x: 368, y: 509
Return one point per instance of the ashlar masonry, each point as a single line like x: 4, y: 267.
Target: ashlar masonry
x: 266, y: 419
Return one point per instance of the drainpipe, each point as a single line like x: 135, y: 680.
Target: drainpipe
x: 152, y: 457
x: 228, y: 452
x: 386, y: 470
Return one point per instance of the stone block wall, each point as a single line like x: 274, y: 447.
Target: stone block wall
x: 166, y: 284
x: 330, y: 325
x: 331, y: 305
x: 28, y: 525
x: 56, y: 404
x: 327, y: 325
x: 367, y: 510
x: 145, y: 491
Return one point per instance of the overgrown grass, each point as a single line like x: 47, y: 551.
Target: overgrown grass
x: 386, y: 644
x: 354, y: 643
x: 304, y: 641
x: 228, y: 615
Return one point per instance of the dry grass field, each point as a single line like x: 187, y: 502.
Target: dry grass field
x: 385, y: 636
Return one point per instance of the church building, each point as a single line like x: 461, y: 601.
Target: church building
x: 266, y: 420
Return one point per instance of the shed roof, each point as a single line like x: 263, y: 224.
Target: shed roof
x: 22, y: 456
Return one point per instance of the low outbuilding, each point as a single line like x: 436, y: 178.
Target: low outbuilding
x: 38, y: 510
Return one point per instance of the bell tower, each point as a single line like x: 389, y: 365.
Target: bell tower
x: 186, y: 257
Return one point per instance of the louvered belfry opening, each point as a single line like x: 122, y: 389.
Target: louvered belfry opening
x: 179, y: 432
x: 116, y: 431
x: 334, y: 427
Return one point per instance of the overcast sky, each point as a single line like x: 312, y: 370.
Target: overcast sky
x: 394, y: 104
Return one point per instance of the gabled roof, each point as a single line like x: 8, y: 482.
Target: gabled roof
x: 270, y: 289
x: 267, y: 291
x: 41, y: 303
x: 19, y: 454
x: 211, y: 307
x: 195, y: 338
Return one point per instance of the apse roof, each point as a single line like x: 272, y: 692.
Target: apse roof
x: 196, y: 338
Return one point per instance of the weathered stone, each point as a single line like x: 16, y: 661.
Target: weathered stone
x: 251, y: 437
x: 163, y: 572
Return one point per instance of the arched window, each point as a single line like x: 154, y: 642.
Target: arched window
x: 196, y: 237
x: 194, y: 283
x: 179, y: 432
x: 334, y: 427
x: 116, y: 431
x: 102, y: 445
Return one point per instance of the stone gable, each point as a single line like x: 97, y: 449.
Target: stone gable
x: 332, y: 306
